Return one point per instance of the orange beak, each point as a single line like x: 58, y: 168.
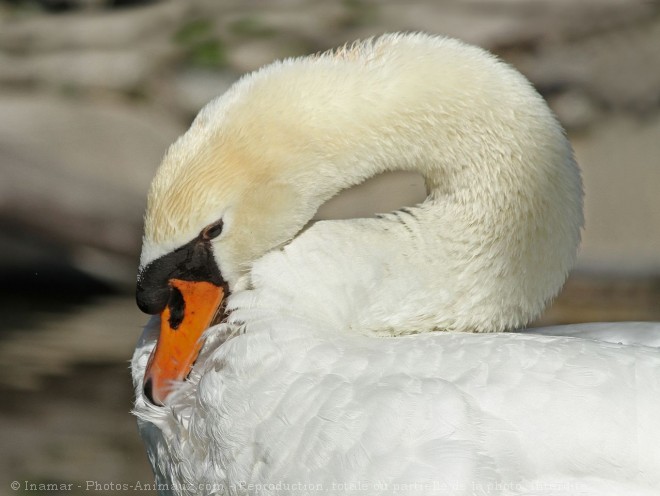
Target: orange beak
x: 191, y: 309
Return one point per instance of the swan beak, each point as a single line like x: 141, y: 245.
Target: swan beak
x: 191, y: 309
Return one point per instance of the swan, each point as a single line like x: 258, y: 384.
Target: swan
x: 367, y: 355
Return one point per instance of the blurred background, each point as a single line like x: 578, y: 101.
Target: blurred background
x: 93, y: 91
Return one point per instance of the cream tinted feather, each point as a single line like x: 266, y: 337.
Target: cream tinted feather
x: 326, y: 372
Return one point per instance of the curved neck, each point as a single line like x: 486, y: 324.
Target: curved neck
x: 487, y: 249
x: 430, y: 267
x: 496, y: 237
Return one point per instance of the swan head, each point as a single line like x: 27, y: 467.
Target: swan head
x: 504, y: 214
x: 216, y: 204
x: 214, y: 189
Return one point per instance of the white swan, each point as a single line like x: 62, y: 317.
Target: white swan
x: 324, y: 377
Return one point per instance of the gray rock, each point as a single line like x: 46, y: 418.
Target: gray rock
x: 574, y: 109
x: 99, y: 30
x: 250, y: 55
x: 620, y: 69
x: 502, y: 24
x: 194, y: 88
x: 115, y: 70
x: 77, y: 172
x: 619, y: 161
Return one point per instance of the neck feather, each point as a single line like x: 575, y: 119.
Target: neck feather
x: 495, y: 239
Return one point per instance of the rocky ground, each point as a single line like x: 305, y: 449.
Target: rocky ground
x: 93, y: 91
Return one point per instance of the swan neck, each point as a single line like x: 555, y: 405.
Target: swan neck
x: 499, y: 231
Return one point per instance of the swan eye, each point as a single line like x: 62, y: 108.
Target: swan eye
x: 212, y: 231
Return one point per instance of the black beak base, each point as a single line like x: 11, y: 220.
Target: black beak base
x: 193, y: 261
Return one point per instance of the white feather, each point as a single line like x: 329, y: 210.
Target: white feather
x: 327, y: 379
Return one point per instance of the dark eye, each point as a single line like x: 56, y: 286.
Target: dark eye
x: 212, y: 231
